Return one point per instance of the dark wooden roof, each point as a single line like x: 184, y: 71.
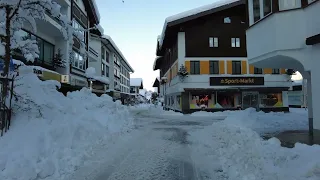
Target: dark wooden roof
x: 92, y: 12
x: 313, y: 40
x: 172, y: 27
x: 156, y: 83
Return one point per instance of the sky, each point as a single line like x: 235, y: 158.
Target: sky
x: 134, y: 26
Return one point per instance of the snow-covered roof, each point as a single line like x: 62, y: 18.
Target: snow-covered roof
x: 100, y: 28
x: 191, y: 13
x: 91, y: 74
x: 117, y: 49
x: 297, y: 82
x: 136, y: 82
x: 155, y: 62
x: 96, y: 9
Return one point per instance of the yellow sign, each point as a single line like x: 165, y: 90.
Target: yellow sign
x: 65, y: 78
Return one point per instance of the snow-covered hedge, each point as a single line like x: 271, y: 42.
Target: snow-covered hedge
x: 52, y: 135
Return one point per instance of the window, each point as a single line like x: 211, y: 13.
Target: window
x: 214, y: 67
x: 275, y: 71
x: 78, y: 61
x: 256, y: 10
x: 266, y: 7
x: 227, y: 20
x: 195, y: 67
x: 80, y: 29
x: 102, y: 69
x: 102, y: 53
x: 287, y: 4
x: 257, y: 70
x: 235, y: 42
x: 236, y: 67
x: 213, y: 42
x: 107, y: 71
x: 107, y: 56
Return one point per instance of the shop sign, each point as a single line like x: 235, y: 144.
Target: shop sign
x: 38, y: 72
x: 234, y: 81
x: 79, y: 82
x: 97, y: 86
x: 65, y: 78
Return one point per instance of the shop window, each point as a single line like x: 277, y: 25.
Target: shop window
x: 214, y: 67
x: 275, y: 71
x: 195, y: 67
x: 228, y: 99
x: 271, y: 100
x: 257, y: 70
x: 236, y: 67
x: 203, y: 101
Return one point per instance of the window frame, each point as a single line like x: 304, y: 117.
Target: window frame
x: 227, y: 22
x: 107, y: 71
x: 193, y: 69
x: 214, y: 67
x: 235, y: 43
x: 235, y: 69
x: 103, y: 69
x: 275, y: 71
x: 257, y: 70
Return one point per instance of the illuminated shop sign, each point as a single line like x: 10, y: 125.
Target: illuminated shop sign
x: 232, y: 81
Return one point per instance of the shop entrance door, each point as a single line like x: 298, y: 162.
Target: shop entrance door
x: 250, y: 100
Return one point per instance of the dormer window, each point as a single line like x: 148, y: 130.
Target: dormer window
x: 227, y: 20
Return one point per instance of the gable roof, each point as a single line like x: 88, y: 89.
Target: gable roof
x: 156, y: 82
x: 136, y: 82
x: 196, y: 13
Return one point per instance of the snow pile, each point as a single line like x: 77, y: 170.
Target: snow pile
x: 244, y: 155
x: 273, y: 122
x: 91, y: 74
x: 52, y: 135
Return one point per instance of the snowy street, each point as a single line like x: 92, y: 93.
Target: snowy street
x: 168, y: 145
x: 157, y: 149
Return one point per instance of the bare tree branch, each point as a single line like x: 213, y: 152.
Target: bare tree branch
x: 16, y: 10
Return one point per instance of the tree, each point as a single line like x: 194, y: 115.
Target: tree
x: 14, y: 14
x: 58, y: 60
x: 154, y: 96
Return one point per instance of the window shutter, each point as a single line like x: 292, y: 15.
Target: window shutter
x: 251, y: 69
x: 244, y: 67
x: 221, y: 67
x: 229, y: 67
x: 267, y: 71
x: 204, y: 67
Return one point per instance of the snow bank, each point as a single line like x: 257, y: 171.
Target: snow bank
x: 52, y: 135
x: 244, y: 155
x: 273, y: 122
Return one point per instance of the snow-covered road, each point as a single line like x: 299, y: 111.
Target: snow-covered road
x: 157, y: 149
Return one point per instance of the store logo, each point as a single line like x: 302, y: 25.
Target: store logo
x: 223, y: 81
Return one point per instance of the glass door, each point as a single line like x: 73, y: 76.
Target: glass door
x: 250, y: 100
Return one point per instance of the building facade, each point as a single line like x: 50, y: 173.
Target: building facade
x: 135, y: 85
x: 112, y: 69
x: 51, y: 42
x: 210, y: 46
x: 290, y: 35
